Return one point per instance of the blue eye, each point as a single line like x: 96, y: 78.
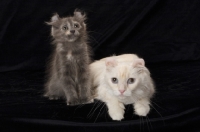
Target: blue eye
x: 114, y: 80
x: 131, y: 81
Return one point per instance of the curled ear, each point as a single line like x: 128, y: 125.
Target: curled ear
x: 80, y: 15
x: 139, y: 65
x: 138, y: 62
x: 54, y: 19
x: 110, y: 63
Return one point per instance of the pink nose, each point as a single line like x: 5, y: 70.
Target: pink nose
x: 121, y: 91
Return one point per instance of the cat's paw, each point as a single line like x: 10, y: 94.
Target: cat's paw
x: 74, y: 102
x: 54, y: 98
x: 117, y: 113
x: 141, y: 109
x: 51, y: 97
x: 86, y: 100
x: 118, y: 116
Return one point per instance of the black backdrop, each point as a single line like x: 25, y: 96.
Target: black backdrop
x: 163, y: 32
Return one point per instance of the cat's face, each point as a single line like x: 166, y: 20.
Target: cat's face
x: 68, y: 29
x: 123, y: 79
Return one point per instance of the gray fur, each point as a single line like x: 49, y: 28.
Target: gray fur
x: 68, y: 74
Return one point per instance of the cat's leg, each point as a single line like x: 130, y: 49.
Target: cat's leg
x: 71, y: 94
x: 115, y: 109
x: 142, y: 107
x: 54, y: 90
x: 84, y: 84
x: 53, y: 86
x: 68, y: 80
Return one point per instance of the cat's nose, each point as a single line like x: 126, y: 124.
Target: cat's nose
x: 121, y: 91
x: 72, y: 31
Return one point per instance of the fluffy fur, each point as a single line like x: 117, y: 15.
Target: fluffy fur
x: 68, y: 72
x: 121, y: 80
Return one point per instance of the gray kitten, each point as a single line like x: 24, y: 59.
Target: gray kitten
x: 69, y: 67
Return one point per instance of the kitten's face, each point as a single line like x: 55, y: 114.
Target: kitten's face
x: 122, y: 80
x: 125, y: 80
x: 68, y: 29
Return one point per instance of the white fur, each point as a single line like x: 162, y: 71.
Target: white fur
x: 69, y: 55
x: 122, y: 67
x: 142, y: 107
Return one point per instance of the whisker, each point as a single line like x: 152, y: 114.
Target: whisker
x: 89, y: 116
x: 90, y: 37
x: 99, y: 113
x: 158, y: 113
x: 96, y: 108
x: 142, y: 122
x: 93, y: 107
x: 149, y: 121
x: 147, y: 124
x: 157, y: 105
x: 78, y: 107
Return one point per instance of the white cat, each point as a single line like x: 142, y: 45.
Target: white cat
x: 121, y: 80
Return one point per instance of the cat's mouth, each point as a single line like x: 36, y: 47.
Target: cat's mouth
x: 71, y: 37
x: 123, y: 95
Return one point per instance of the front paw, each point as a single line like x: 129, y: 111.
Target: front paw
x: 116, y: 114
x: 86, y: 100
x: 141, y: 109
x: 51, y: 97
x: 74, y: 102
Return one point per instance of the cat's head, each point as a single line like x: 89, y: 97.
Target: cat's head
x: 125, y: 79
x: 68, y: 29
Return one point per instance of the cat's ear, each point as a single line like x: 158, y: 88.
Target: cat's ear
x: 54, y: 19
x: 80, y: 15
x: 111, y: 63
x: 138, y: 62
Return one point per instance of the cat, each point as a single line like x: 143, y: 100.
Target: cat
x: 68, y: 74
x: 122, y: 80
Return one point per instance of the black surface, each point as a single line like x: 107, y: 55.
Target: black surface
x: 164, y: 33
x: 175, y: 105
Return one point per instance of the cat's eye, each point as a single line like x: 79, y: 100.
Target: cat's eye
x: 131, y: 81
x: 114, y: 80
x: 64, y: 28
x: 76, y: 25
